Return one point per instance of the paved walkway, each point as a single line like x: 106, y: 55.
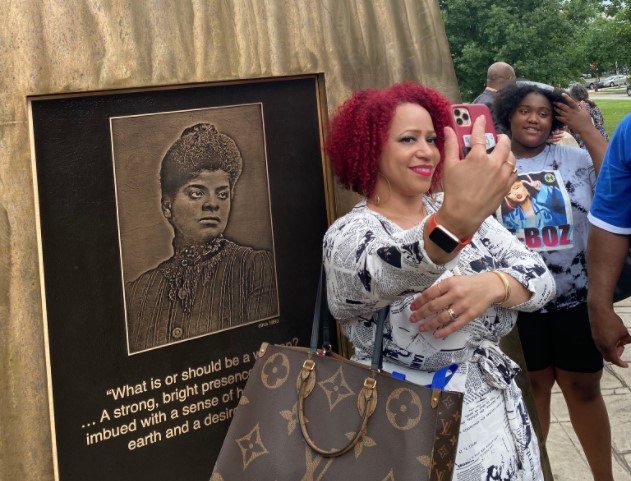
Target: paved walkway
x: 567, y: 460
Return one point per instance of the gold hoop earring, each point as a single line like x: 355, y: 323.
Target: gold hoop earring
x: 377, y: 200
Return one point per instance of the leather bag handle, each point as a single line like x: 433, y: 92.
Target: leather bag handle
x: 367, y: 397
x: 366, y: 403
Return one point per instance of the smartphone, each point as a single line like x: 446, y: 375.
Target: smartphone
x: 462, y: 118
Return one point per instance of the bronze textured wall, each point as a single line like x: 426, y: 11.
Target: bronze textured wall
x: 52, y: 46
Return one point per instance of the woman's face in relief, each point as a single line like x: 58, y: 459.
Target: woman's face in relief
x: 200, y: 209
x: 410, y: 155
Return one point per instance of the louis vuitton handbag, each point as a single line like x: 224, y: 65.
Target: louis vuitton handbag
x: 310, y: 415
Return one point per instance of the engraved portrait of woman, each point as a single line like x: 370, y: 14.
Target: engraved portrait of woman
x: 210, y: 282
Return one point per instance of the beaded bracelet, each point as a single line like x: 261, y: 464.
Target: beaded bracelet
x: 504, y: 279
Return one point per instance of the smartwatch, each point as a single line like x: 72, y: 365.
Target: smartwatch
x: 443, y: 238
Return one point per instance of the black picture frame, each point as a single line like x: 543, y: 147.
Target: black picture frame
x: 101, y: 390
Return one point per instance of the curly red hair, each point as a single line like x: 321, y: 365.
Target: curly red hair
x: 359, y: 129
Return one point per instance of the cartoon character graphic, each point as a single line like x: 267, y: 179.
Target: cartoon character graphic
x: 532, y: 203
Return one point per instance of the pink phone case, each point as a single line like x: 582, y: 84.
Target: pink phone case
x: 463, y: 116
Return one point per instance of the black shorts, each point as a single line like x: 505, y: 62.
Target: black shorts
x: 561, y: 339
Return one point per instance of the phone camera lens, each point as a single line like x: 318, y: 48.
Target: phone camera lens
x: 465, y: 116
x: 459, y: 121
x: 457, y: 112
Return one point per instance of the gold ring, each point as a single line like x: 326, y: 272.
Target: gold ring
x: 452, y: 314
x: 479, y: 142
x: 514, y: 166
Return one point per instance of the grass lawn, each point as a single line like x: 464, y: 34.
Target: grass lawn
x: 613, y: 112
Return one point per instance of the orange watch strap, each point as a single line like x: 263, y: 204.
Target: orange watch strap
x: 433, y: 223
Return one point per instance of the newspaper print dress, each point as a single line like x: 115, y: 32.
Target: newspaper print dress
x: 371, y: 262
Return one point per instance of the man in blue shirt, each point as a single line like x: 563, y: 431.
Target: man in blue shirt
x: 608, y: 245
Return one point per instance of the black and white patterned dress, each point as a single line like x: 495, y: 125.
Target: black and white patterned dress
x: 371, y: 262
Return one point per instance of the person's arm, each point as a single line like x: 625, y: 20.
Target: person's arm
x: 468, y: 296
x: 581, y: 122
x: 530, y: 285
x: 606, y: 254
x: 368, y: 266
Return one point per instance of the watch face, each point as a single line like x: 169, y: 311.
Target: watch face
x: 444, y: 239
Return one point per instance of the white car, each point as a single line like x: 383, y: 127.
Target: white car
x: 613, y: 81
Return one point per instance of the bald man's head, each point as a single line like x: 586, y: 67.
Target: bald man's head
x: 499, y: 75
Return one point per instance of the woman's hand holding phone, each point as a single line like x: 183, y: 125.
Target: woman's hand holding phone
x: 463, y: 117
x: 474, y: 186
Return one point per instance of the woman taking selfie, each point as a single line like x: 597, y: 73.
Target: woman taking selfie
x: 556, y: 340
x: 452, y: 276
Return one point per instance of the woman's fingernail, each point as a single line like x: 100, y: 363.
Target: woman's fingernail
x: 412, y: 319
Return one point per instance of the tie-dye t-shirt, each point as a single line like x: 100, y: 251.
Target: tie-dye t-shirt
x: 547, y: 210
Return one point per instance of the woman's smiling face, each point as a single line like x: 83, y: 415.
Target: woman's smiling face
x: 531, y: 122
x: 200, y: 209
x: 410, y: 155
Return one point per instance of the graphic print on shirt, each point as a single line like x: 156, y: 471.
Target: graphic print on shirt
x: 537, y: 210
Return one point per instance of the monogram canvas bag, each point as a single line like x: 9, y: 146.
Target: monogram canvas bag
x: 308, y: 414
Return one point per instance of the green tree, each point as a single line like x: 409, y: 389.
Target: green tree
x: 541, y: 39
x: 612, y: 7
x: 622, y: 32
x: 607, y: 38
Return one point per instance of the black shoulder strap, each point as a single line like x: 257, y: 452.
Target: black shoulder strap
x: 377, y: 353
x: 323, y: 317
